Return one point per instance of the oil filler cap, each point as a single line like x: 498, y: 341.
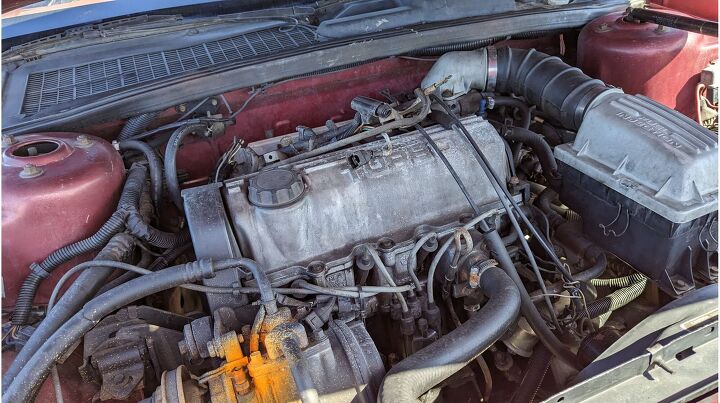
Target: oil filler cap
x: 275, y: 188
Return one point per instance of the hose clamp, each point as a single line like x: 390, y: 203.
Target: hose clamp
x: 492, y: 68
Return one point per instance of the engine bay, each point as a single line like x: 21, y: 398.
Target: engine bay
x: 485, y: 224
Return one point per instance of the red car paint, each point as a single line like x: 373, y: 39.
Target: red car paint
x: 72, y: 197
x: 641, y: 58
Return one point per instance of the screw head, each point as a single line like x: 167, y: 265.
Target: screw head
x: 8, y: 140
x: 182, y: 108
x: 30, y: 171
x: 214, y: 102
x: 83, y: 141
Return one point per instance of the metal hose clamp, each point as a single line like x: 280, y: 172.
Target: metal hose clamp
x: 492, y: 68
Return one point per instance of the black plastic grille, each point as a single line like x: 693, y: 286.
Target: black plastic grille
x: 50, y: 88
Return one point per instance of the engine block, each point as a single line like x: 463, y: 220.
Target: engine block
x: 307, y: 218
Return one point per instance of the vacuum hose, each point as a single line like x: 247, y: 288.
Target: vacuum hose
x: 419, y: 372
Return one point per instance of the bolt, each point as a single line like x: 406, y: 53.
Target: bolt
x: 604, y: 27
x: 182, y: 108
x: 316, y: 267
x: 681, y: 284
x: 474, y: 279
x: 8, y: 140
x: 214, y: 102
x: 30, y: 171
x: 386, y: 243
x: 83, y: 141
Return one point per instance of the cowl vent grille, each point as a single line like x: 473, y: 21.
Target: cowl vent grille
x: 50, y: 88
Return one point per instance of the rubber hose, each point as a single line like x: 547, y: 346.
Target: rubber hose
x: 136, y: 125
x: 34, y: 373
x: 171, y: 178
x: 137, y: 226
x: 529, y: 311
x: 539, y: 146
x: 119, y: 248
x: 154, y: 164
x: 534, y: 75
x: 129, y: 198
x: 536, y: 369
x: 159, y: 263
x: 563, y: 93
x: 544, y: 203
x: 690, y: 24
x: 515, y: 103
x: 419, y: 372
x: 30, y: 285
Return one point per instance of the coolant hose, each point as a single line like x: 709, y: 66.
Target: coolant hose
x: 419, y: 372
x: 539, y: 145
x: 529, y: 311
x: 154, y: 165
x: 33, y: 374
x: 515, y: 103
x: 136, y: 125
x: 83, y: 289
x: 171, y: 178
x: 561, y: 91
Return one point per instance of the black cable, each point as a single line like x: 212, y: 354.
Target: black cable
x: 497, y: 185
x: 449, y: 167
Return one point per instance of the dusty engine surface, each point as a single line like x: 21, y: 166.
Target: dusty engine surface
x: 308, y: 220
x: 491, y: 233
x: 653, y: 200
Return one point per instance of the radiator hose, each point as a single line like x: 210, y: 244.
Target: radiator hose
x: 419, y: 372
x: 561, y: 91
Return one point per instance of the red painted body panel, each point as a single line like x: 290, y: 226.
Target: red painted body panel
x: 76, y: 193
x: 662, y: 64
x: 707, y: 9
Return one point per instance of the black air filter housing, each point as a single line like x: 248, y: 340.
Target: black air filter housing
x: 644, y: 179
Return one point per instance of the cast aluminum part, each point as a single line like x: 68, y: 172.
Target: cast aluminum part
x: 387, y: 203
x: 652, y: 155
x: 389, y: 197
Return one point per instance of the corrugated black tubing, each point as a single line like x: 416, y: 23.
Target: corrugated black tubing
x: 419, y: 372
x: 119, y: 248
x: 136, y: 125
x: 154, y: 164
x: 617, y: 299
x: 129, y: 199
